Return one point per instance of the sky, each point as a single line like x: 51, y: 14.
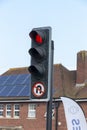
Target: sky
x: 68, y: 19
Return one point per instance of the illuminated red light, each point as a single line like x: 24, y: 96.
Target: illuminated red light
x: 38, y: 39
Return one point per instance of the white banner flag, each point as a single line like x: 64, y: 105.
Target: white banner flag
x: 75, y: 118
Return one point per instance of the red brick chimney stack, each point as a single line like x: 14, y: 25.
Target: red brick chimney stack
x: 81, y: 67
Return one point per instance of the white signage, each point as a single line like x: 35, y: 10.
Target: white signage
x: 74, y: 115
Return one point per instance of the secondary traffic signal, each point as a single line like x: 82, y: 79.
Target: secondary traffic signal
x: 40, y: 68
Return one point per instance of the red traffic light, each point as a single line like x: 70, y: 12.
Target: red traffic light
x: 37, y: 36
x: 38, y: 39
x: 41, y: 63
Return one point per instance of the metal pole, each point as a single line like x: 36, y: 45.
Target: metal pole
x: 49, y: 103
x: 56, y: 116
x: 56, y: 123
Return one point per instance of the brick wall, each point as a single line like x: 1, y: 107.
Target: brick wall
x: 38, y: 123
x: 23, y: 121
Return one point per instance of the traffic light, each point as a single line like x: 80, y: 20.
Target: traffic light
x: 40, y: 68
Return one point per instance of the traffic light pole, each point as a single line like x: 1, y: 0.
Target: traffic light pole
x: 49, y: 103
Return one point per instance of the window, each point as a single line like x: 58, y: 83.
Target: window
x: 16, y: 110
x: 8, y: 110
x: 1, y: 110
x: 32, y: 111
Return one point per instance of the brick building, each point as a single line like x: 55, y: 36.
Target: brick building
x: 18, y: 112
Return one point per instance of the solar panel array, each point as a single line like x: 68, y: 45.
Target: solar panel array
x: 14, y: 85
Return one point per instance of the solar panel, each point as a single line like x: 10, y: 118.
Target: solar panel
x: 1, y: 88
x: 27, y: 79
x: 14, y: 79
x: 15, y: 90
x: 3, y: 79
x: 5, y: 90
x: 11, y: 79
x: 24, y: 91
x: 21, y: 79
x: 14, y: 85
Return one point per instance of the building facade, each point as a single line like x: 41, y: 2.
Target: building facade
x: 18, y: 112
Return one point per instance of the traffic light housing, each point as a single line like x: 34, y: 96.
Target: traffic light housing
x: 40, y: 68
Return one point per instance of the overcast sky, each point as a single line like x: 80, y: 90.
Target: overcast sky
x: 68, y: 19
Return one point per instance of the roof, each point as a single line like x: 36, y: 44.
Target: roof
x: 13, y: 71
x: 65, y: 84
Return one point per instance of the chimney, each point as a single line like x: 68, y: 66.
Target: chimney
x: 81, y: 68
